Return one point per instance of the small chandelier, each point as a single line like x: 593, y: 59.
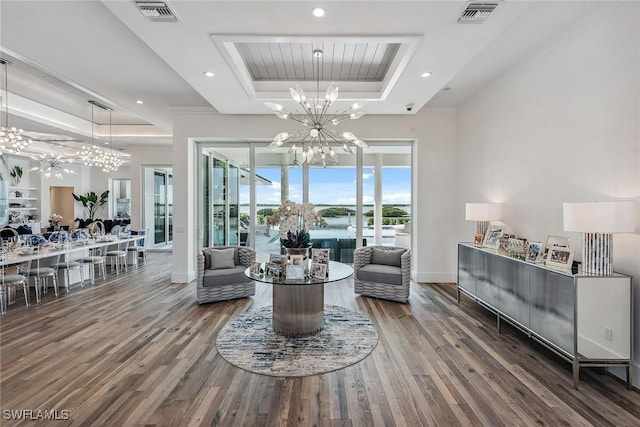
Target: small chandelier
x: 11, y: 139
x: 95, y: 156
x: 317, y: 139
x: 53, y: 165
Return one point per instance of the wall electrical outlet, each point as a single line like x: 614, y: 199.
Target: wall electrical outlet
x: 608, y: 334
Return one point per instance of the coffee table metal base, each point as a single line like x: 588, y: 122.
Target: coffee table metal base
x: 298, y: 309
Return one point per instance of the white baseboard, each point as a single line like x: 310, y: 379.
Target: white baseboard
x: 183, y: 277
x: 435, y: 277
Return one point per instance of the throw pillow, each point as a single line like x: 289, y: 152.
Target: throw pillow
x: 222, y: 258
x: 207, y: 259
x: 386, y: 256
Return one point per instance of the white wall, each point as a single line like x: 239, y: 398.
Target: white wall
x: 434, y: 178
x: 144, y: 155
x: 561, y: 127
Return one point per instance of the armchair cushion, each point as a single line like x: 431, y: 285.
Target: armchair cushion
x: 224, y: 276
x: 386, y: 256
x: 222, y: 259
x: 221, y: 256
x: 380, y: 273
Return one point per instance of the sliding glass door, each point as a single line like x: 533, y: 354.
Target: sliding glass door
x: 372, y: 212
x: 162, y: 207
x: 157, y: 184
x: 224, y: 183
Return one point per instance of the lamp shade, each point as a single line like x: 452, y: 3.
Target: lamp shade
x: 483, y: 211
x: 599, y: 217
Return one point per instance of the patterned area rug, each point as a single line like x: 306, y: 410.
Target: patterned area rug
x: 249, y: 342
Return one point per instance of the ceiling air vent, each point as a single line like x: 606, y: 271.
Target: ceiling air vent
x: 477, y: 13
x: 157, y: 11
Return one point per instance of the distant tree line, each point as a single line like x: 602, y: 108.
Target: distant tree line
x: 335, y: 212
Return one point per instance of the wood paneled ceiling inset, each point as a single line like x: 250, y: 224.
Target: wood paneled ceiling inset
x: 366, y: 62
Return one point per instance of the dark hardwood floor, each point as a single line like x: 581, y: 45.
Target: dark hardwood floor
x: 138, y: 350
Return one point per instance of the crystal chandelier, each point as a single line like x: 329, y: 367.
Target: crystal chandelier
x: 11, y: 139
x: 95, y: 156
x: 317, y: 139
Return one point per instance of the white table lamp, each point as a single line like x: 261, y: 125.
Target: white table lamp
x: 597, y: 221
x: 482, y: 214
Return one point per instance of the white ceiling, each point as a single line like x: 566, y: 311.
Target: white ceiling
x: 65, y: 53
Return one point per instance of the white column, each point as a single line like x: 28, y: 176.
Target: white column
x: 377, y: 213
x: 252, y: 197
x: 305, y: 182
x: 284, y: 178
x: 359, y: 196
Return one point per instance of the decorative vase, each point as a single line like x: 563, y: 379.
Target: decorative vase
x: 298, y: 251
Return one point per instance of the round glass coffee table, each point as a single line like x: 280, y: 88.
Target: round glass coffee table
x: 298, y: 305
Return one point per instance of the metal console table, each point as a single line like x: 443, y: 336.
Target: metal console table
x: 585, y: 319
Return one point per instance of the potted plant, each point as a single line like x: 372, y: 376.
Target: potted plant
x: 16, y: 174
x: 295, y: 220
x: 91, y: 202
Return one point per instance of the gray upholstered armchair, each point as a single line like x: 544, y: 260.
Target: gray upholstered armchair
x: 221, y: 273
x: 382, y: 272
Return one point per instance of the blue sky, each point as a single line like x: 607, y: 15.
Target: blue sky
x: 335, y: 186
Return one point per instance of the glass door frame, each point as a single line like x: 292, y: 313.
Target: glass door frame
x: 205, y: 236
x: 145, y: 202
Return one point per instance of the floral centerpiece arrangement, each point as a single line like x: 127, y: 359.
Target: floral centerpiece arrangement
x: 295, y: 221
x: 54, y: 220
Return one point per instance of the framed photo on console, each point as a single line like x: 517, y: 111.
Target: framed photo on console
x: 560, y: 241
x: 320, y: 256
x: 255, y: 268
x: 534, y: 252
x: 559, y: 257
x: 555, y: 241
x: 318, y: 271
x: 492, y: 236
x: 295, y: 272
x: 272, y: 270
x: 297, y: 259
x: 278, y: 259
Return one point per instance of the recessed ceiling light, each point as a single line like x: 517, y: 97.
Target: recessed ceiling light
x: 426, y: 74
x: 318, y: 12
x: 209, y: 73
x: 139, y: 101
